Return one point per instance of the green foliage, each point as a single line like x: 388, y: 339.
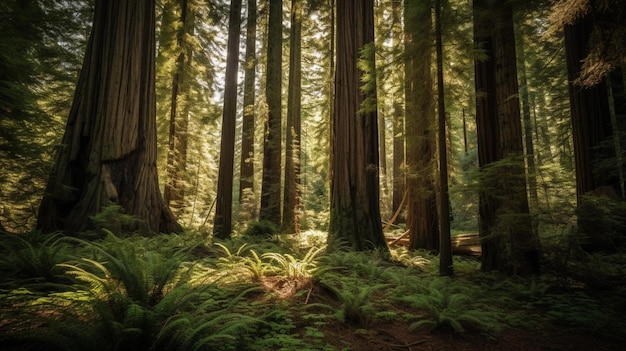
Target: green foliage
x: 112, y: 218
x: 261, y: 229
x: 601, y: 221
x: 357, y: 304
x: 293, y: 268
x: 447, y: 304
x: 30, y: 260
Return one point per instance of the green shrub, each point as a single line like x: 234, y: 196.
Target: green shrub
x: 261, y: 229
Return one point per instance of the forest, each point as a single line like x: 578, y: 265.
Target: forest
x: 312, y: 175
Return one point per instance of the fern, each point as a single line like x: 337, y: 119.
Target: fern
x: 446, y: 304
x: 30, y: 261
x: 292, y: 267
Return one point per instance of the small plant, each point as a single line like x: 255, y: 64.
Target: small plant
x: 443, y: 306
x: 30, y: 261
x: 113, y: 218
x: 294, y: 268
x: 261, y: 229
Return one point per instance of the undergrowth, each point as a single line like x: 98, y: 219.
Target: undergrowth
x: 183, y: 292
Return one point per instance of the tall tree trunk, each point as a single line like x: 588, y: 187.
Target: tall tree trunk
x: 591, y: 119
x: 594, y: 148
x: 246, y: 180
x: 174, y: 192
x: 399, y: 184
x: 292, y: 199
x: 509, y: 241
x: 445, y: 246
x: 109, y: 146
x: 422, y: 218
x: 487, y: 131
x: 354, y: 209
x: 222, y: 226
x: 270, y: 186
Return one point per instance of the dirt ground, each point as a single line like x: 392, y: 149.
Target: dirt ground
x: 391, y: 337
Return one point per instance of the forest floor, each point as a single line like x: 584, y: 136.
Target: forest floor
x: 395, y: 335
x: 182, y: 293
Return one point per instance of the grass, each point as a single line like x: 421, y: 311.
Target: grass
x: 163, y: 293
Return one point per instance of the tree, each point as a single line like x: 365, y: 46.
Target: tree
x: 270, y: 184
x: 222, y: 225
x: 593, y: 128
x: 399, y: 184
x: 246, y: 173
x: 509, y: 242
x: 354, y: 208
x: 108, y: 152
x: 421, y: 218
x: 445, y: 247
x: 174, y: 192
x: 292, y: 196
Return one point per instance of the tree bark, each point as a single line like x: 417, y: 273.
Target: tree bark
x: 246, y: 180
x: 591, y: 119
x: 222, y: 226
x: 509, y: 241
x: 108, y: 153
x: 354, y: 210
x: 445, y: 245
x: 292, y: 196
x: 270, y: 186
x: 420, y: 121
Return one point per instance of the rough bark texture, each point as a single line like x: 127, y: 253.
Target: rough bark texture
x: 270, y: 186
x: 508, y: 239
x: 246, y: 180
x: 222, y: 225
x: 108, y: 153
x: 596, y: 164
x: 591, y: 120
x: 445, y: 242
x: 354, y: 210
x: 422, y: 219
x: 292, y: 200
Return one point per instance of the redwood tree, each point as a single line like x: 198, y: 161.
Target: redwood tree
x: 509, y: 241
x: 246, y: 173
x: 421, y: 219
x: 270, y: 185
x: 222, y: 225
x: 292, y: 198
x: 354, y: 209
x: 108, y: 152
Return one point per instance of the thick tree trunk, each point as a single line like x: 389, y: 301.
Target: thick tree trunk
x: 354, y: 211
x: 591, y: 119
x: 109, y: 147
x: 246, y: 181
x: 222, y: 226
x: 270, y: 186
x: 420, y: 121
x: 292, y: 199
x: 487, y: 133
x: 508, y: 239
x: 596, y: 164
